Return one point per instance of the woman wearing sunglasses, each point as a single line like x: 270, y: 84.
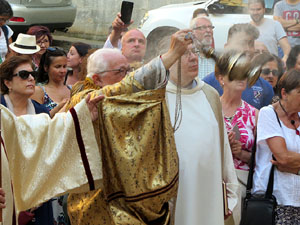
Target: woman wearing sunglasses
x: 52, y: 92
x: 17, y: 80
x: 272, y: 70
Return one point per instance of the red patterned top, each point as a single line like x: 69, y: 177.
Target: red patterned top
x: 244, y: 117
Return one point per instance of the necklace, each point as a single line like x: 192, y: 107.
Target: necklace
x: 230, y: 118
x: 292, y: 121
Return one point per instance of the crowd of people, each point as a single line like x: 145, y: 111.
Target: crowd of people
x: 122, y: 140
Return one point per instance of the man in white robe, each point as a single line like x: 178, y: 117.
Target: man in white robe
x: 204, y: 153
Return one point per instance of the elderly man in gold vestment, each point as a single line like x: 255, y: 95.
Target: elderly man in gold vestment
x: 138, y: 158
x: 140, y: 164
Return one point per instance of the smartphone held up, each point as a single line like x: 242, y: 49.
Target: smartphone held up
x: 126, y: 11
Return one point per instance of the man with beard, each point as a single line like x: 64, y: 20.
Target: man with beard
x: 203, y: 31
x: 271, y: 33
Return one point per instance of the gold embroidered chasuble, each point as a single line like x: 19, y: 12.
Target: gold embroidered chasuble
x: 139, y: 158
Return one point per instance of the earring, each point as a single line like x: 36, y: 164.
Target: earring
x: 9, y: 89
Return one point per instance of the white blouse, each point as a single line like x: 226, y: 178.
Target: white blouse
x: 3, y: 45
x: 286, y: 185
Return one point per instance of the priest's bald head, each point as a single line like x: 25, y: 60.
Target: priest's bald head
x: 107, y: 66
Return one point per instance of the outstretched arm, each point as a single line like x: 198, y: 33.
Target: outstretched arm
x: 177, y: 48
x: 51, y: 148
x: 118, y: 26
x: 154, y: 74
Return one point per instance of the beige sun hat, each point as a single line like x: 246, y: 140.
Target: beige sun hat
x: 25, y: 44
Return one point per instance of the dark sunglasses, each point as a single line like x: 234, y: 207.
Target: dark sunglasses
x: 55, y: 49
x: 24, y: 74
x: 268, y: 71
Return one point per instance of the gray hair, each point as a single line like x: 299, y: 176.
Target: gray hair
x: 193, y: 21
x: 97, y: 62
x: 247, y: 28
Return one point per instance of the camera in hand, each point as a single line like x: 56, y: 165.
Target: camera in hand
x: 126, y: 11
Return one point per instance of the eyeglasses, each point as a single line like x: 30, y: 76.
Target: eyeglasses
x: 119, y: 71
x: 24, y: 74
x: 267, y: 71
x: 204, y: 28
x: 42, y: 41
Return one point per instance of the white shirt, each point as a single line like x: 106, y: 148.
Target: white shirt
x: 270, y: 32
x: 205, y: 66
x: 3, y: 44
x: 286, y: 185
x: 108, y: 44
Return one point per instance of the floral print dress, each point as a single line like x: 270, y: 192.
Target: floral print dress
x: 244, y: 117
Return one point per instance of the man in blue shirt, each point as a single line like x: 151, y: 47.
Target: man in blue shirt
x: 241, y: 37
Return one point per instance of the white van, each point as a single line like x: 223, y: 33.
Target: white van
x: 167, y: 19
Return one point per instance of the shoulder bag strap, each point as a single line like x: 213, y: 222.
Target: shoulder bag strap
x: 251, y: 170
x: 269, y: 191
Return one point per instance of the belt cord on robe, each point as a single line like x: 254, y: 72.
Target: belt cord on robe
x: 84, y: 158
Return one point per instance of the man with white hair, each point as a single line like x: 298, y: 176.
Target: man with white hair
x: 203, y: 31
x: 105, y: 66
x: 135, y: 138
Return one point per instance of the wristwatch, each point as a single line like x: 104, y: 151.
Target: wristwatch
x: 297, y: 20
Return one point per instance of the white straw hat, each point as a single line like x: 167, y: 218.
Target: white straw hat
x: 25, y: 44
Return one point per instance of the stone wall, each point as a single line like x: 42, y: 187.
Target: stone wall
x: 95, y: 16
